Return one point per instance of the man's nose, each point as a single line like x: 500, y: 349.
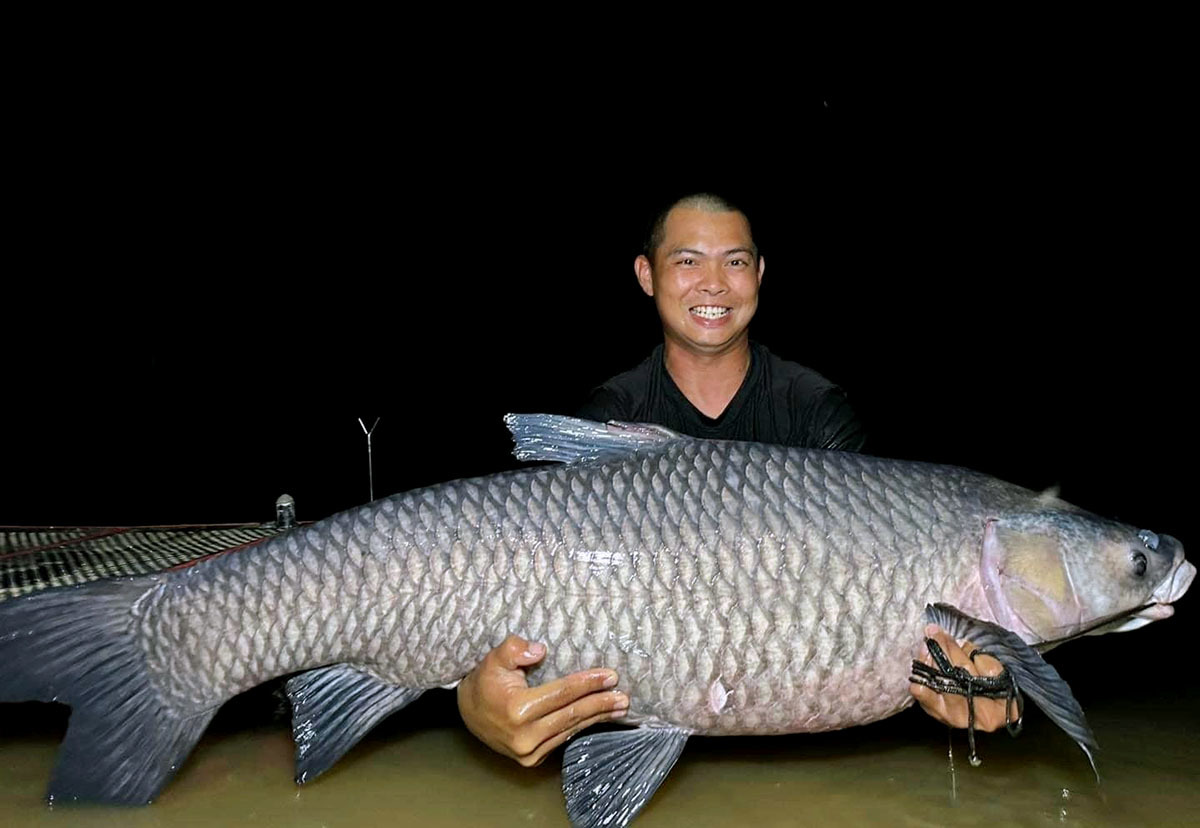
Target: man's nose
x: 713, y: 280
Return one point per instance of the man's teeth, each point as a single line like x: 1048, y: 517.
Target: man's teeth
x: 710, y: 311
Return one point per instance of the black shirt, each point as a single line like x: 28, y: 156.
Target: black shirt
x: 778, y: 402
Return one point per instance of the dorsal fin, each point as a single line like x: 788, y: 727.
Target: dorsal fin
x: 1050, y: 497
x: 571, y: 440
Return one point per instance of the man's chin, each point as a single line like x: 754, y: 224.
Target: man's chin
x: 709, y: 342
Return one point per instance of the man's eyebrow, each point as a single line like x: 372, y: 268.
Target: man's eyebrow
x: 743, y: 250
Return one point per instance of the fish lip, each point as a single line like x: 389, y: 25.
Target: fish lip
x: 1118, y: 622
x: 1172, y: 589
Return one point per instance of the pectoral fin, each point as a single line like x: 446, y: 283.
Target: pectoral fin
x: 333, y: 708
x: 609, y: 777
x: 1037, y: 679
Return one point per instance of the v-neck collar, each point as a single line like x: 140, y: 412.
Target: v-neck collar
x: 735, y: 405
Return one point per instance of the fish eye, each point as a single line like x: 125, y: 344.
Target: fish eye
x: 1149, y: 539
x: 1139, y: 563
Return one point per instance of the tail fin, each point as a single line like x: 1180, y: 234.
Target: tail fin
x: 77, y: 645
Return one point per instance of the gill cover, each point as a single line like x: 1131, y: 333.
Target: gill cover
x: 1025, y: 578
x: 1055, y: 574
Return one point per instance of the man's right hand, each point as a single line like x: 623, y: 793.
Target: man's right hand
x: 526, y: 723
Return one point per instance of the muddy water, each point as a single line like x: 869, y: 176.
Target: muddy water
x: 421, y: 768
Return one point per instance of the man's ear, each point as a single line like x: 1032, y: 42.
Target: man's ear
x: 645, y: 274
x: 762, y: 265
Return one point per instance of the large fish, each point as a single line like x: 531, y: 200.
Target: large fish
x: 738, y: 588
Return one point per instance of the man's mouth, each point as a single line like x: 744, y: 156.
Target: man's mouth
x: 710, y: 311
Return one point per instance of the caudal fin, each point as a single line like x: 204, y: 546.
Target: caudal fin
x: 77, y: 645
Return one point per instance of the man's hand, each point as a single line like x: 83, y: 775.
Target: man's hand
x: 526, y: 723
x: 951, y: 709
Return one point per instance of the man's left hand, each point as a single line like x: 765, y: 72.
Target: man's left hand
x: 951, y: 709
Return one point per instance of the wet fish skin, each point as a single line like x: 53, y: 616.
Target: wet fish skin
x: 417, y: 587
x: 737, y: 588
x: 795, y: 601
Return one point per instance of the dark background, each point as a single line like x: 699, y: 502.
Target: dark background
x: 217, y: 276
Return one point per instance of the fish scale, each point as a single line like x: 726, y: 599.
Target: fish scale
x: 736, y: 588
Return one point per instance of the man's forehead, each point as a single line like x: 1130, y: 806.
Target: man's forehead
x: 694, y: 215
x: 685, y: 223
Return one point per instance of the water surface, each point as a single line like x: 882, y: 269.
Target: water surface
x: 422, y: 768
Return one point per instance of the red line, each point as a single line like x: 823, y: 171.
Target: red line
x: 102, y: 533
x: 195, y: 561
x: 105, y: 532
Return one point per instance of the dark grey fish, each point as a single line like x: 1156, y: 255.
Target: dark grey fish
x: 738, y: 588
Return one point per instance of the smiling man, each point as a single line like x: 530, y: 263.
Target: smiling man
x: 707, y: 379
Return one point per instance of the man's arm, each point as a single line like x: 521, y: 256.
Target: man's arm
x: 603, y: 404
x: 829, y: 422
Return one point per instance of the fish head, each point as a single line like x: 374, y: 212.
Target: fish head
x: 1056, y: 574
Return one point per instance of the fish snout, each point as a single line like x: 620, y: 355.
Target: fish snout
x: 1176, y: 584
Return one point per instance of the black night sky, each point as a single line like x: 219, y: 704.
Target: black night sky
x: 217, y: 287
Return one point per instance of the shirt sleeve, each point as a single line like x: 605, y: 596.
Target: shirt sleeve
x: 602, y: 405
x: 829, y: 421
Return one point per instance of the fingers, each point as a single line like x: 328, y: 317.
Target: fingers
x: 547, y: 747
x: 526, y: 723
x: 984, y: 664
x: 515, y: 652
x: 550, y: 697
x: 949, y: 646
x: 934, y: 704
x: 543, y: 735
x: 951, y: 709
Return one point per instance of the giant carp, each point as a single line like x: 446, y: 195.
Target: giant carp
x: 737, y: 588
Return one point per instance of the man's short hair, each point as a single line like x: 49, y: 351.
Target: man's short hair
x: 707, y: 202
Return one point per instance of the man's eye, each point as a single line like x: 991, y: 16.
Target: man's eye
x: 737, y: 262
x: 687, y: 261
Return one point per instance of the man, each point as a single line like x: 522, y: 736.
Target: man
x: 707, y: 379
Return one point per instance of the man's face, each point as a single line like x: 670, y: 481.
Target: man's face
x: 704, y: 279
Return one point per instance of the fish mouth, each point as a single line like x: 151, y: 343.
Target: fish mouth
x: 1123, y: 621
x: 1156, y: 609
x: 1172, y: 589
x: 1166, y: 593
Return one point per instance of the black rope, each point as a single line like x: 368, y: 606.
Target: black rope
x: 945, y: 677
